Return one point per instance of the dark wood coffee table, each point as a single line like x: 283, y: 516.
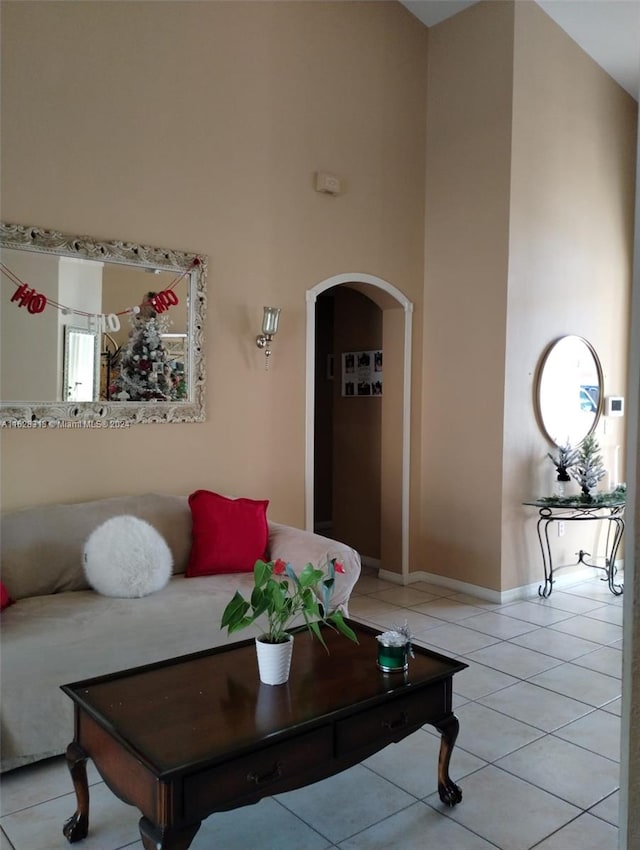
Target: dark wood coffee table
x: 198, y: 734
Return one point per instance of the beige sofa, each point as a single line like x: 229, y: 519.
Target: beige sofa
x: 59, y: 630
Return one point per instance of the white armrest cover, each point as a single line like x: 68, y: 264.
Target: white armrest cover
x: 299, y: 547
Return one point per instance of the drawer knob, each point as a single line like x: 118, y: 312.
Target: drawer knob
x: 399, y: 723
x: 274, y: 774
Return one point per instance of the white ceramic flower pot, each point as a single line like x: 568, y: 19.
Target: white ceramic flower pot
x: 274, y: 661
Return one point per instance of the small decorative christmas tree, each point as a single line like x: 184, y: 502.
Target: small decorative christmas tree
x: 564, y: 459
x: 588, y: 468
x: 145, y: 370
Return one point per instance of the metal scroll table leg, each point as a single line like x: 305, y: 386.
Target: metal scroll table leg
x: 77, y: 827
x: 618, y: 522
x: 449, y: 792
x: 547, y: 563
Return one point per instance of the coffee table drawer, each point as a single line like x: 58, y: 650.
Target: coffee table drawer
x: 260, y: 772
x: 391, y: 721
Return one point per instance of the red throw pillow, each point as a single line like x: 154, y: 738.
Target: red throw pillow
x: 5, y: 599
x: 228, y: 535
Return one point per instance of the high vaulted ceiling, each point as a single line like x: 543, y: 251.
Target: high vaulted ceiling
x: 608, y: 30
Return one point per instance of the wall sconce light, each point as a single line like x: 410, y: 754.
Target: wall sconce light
x: 269, y: 330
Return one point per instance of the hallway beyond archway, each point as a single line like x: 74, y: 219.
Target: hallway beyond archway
x: 390, y: 299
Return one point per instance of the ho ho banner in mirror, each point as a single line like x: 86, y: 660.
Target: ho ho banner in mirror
x: 99, y: 332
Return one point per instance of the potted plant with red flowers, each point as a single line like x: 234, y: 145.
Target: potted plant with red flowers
x: 279, y: 596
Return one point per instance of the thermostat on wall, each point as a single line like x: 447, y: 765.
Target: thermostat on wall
x: 614, y: 405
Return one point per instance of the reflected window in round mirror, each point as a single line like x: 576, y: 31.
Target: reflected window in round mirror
x: 569, y: 391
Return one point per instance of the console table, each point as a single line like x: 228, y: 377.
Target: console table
x: 610, y: 511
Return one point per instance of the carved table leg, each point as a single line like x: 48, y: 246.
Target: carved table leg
x: 77, y: 827
x: 449, y: 792
x: 156, y: 838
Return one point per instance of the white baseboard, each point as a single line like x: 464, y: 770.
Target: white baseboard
x: 443, y: 581
x: 561, y: 579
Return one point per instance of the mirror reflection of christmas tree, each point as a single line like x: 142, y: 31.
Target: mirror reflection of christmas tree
x: 147, y: 372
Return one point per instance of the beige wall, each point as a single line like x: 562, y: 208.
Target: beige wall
x: 198, y: 126
x: 466, y: 255
x: 212, y: 149
x: 530, y: 175
x: 571, y: 244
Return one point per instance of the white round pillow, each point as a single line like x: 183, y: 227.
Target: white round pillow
x: 125, y: 556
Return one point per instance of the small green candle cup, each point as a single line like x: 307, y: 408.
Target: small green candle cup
x: 394, y: 649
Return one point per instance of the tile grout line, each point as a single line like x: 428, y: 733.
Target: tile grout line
x: 7, y: 839
x: 582, y: 809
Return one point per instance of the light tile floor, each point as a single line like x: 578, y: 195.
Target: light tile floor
x: 537, y: 756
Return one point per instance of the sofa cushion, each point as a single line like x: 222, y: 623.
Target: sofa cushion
x: 228, y: 535
x: 42, y: 546
x: 126, y: 557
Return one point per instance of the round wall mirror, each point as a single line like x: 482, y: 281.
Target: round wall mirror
x: 569, y: 391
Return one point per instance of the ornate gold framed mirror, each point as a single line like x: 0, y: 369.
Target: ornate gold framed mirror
x: 99, y: 331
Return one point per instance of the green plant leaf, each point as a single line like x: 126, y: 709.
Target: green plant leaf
x: 240, y: 624
x: 315, y: 628
x: 261, y: 573
x: 310, y: 576
x: 259, y: 602
x: 235, y: 610
x: 338, y: 621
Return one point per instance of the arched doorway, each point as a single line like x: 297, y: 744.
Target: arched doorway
x: 390, y: 299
